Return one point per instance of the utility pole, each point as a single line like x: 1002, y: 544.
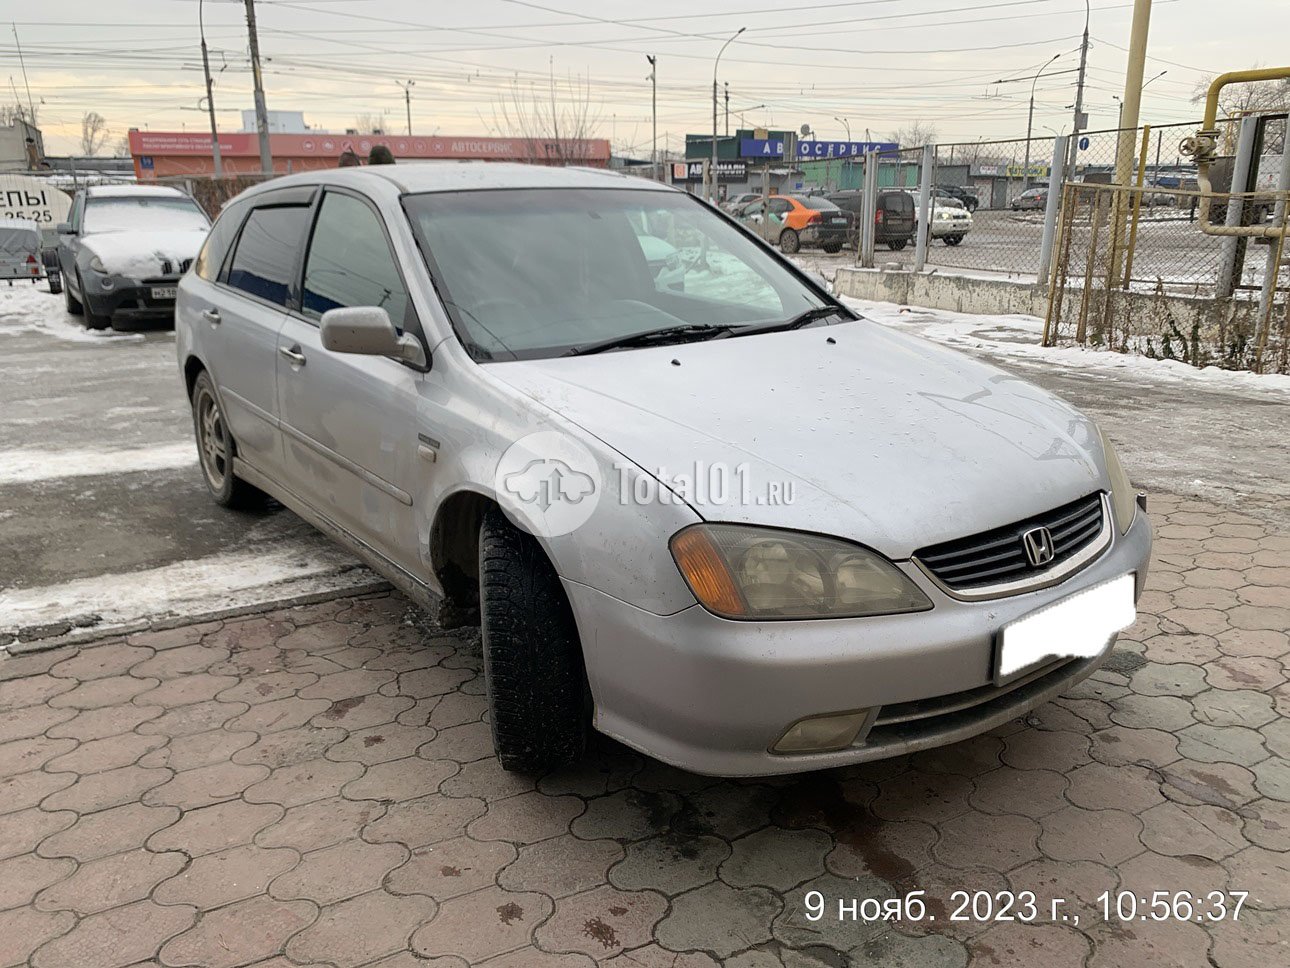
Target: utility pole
x: 712, y: 185
x: 653, y: 104
x: 261, y: 113
x: 31, y: 106
x: 727, y: 86
x: 1081, y: 121
x: 210, y: 96
x: 407, y: 100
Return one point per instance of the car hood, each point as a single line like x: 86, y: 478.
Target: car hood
x: 884, y: 438
x: 144, y: 253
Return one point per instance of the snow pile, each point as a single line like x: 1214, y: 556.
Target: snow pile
x: 28, y: 308
x: 139, y: 255
x: 1018, y: 337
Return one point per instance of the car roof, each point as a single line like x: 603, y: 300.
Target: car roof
x: 416, y: 177
x: 133, y: 191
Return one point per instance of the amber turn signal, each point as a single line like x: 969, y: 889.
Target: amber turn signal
x: 704, y: 569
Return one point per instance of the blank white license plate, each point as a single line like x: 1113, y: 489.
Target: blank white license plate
x: 164, y: 292
x: 839, y: 221
x: 1079, y: 626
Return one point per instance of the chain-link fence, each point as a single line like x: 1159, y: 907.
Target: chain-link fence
x: 1133, y: 271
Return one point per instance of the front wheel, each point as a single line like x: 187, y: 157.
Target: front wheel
x: 73, y: 304
x: 832, y: 247
x: 533, y: 668
x: 896, y: 244
x: 93, y: 320
x: 953, y: 239
x: 789, y: 242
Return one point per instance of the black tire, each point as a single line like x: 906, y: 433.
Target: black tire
x: 953, y: 239
x: 833, y: 247
x: 896, y: 244
x: 216, y: 449
x: 55, y: 281
x: 533, y: 667
x: 789, y: 241
x: 73, y: 304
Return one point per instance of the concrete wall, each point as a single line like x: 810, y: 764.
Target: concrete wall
x: 1199, y: 330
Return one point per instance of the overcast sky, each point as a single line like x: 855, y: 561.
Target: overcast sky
x: 878, y: 64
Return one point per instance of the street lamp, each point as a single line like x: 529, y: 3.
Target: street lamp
x: 845, y: 123
x: 712, y: 186
x: 1030, y: 121
x: 653, y: 80
x: 210, y: 98
x: 407, y: 100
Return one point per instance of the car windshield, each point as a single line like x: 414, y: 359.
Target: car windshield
x: 533, y: 273
x: 132, y: 213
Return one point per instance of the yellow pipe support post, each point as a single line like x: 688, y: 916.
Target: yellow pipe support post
x: 1204, y: 145
x: 1137, y: 207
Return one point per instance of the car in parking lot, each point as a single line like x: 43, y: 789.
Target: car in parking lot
x: 470, y: 377
x: 1031, y: 198
x: 894, y: 220
x: 950, y: 223
x: 123, y: 249
x: 796, y: 222
x: 971, y: 201
x: 20, y: 250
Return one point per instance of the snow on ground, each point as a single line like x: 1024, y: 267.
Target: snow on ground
x: 27, y: 466
x: 1018, y: 337
x: 28, y: 308
x: 191, y: 587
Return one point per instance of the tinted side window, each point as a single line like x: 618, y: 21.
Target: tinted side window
x: 350, y: 262
x: 778, y: 206
x: 211, y: 257
x: 266, y: 252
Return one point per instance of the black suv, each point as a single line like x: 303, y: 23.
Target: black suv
x: 966, y: 196
x: 893, y: 221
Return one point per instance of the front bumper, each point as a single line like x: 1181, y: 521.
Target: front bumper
x: 129, y: 298
x: 713, y: 696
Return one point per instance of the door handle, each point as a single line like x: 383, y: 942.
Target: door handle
x: 211, y: 316
x: 293, y: 354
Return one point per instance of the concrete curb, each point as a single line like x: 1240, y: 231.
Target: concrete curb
x: 86, y: 636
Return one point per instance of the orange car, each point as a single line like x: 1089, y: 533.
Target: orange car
x: 798, y: 221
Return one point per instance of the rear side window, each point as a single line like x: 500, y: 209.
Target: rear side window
x: 818, y: 203
x: 215, y: 248
x: 265, y: 259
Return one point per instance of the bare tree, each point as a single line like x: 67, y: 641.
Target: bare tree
x: 1238, y: 100
x: 914, y: 134
x: 121, y: 147
x: 93, y: 133
x: 554, y: 123
x: 370, y: 123
x: 11, y: 114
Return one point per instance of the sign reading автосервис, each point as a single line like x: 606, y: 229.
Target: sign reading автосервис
x: 807, y: 150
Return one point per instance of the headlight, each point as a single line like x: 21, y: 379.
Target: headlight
x: 1124, y: 501
x: 746, y: 572
x: 97, y: 265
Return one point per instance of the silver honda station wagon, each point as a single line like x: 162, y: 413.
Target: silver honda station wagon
x: 695, y: 503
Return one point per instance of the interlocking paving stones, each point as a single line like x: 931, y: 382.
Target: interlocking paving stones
x: 315, y: 787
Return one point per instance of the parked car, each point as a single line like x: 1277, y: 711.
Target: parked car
x: 1031, y: 198
x: 949, y: 223
x: 20, y: 250
x: 736, y: 202
x: 944, y: 199
x: 794, y: 222
x: 467, y: 375
x: 971, y: 201
x: 123, y: 249
x: 893, y: 218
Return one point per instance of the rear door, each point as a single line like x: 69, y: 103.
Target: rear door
x: 243, y: 318
x: 898, y: 213
x: 349, y: 422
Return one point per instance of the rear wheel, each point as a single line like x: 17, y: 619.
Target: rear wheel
x: 533, y: 667
x: 896, y: 244
x: 215, y: 449
x: 789, y: 241
x: 833, y: 247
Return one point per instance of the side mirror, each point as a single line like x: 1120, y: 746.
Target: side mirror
x: 65, y: 228
x: 367, y: 330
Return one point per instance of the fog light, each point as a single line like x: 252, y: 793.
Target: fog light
x: 106, y: 283
x: 817, y: 734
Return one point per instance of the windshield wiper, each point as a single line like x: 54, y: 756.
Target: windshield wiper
x: 797, y: 322
x: 688, y: 332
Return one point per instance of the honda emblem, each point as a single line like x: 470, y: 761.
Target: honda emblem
x: 1038, y: 543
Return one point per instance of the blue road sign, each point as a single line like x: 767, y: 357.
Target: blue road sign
x: 1083, y: 144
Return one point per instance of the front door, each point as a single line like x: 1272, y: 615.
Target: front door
x: 349, y: 422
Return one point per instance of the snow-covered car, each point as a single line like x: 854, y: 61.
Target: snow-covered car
x: 950, y: 224
x: 124, y: 248
x: 738, y: 528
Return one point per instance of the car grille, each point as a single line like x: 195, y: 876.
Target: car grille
x: 999, y: 556
x: 168, y: 267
